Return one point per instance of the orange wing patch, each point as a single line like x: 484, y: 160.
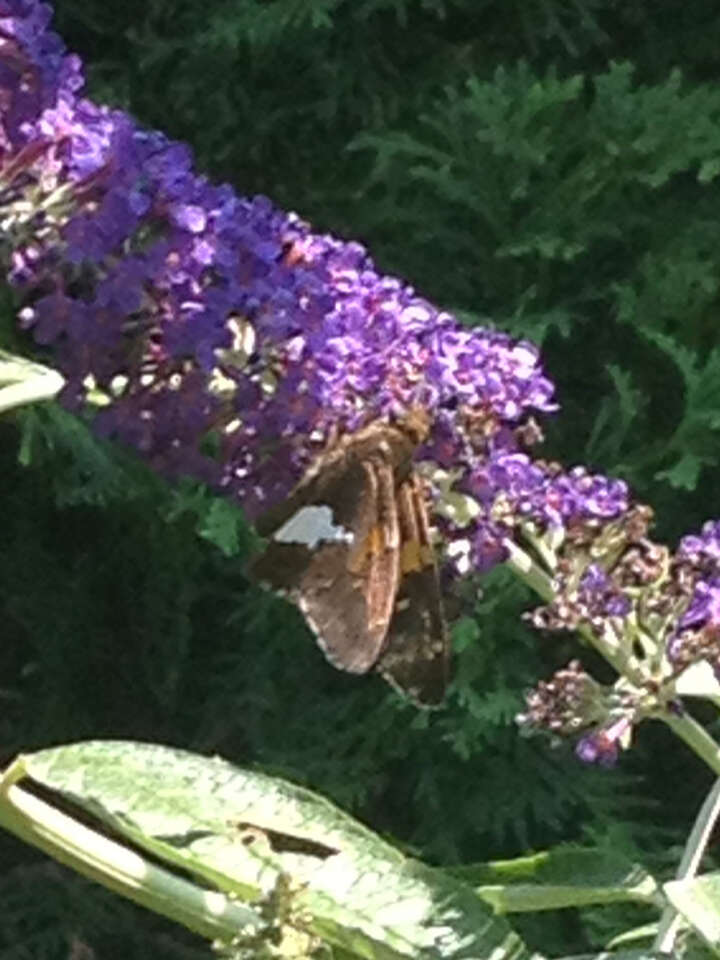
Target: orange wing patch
x: 416, y: 551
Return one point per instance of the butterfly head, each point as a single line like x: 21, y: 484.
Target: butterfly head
x: 416, y: 425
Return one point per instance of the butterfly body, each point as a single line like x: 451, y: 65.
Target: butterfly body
x: 351, y: 547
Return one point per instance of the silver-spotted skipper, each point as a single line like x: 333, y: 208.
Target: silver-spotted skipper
x: 351, y: 547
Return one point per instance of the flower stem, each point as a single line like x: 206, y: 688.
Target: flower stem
x: 695, y: 736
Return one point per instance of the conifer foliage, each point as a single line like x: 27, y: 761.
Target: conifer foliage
x: 548, y: 169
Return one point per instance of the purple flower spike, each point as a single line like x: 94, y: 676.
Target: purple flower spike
x: 196, y: 311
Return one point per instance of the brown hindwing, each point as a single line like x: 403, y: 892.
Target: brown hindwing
x: 416, y: 657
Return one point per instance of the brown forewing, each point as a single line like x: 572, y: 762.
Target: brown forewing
x: 346, y: 591
x: 374, y: 602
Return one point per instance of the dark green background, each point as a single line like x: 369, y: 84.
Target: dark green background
x: 546, y: 166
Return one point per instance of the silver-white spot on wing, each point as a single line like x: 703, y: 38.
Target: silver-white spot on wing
x: 311, y: 526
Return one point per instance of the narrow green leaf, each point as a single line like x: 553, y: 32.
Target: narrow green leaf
x: 564, y: 877
x: 23, y: 381
x: 250, y: 835
x: 616, y: 955
x: 698, y: 900
x: 647, y: 931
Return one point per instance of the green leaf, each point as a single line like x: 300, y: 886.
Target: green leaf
x: 564, y: 877
x: 647, y: 931
x: 217, y: 520
x: 683, y: 475
x: 252, y: 835
x: 709, y: 170
x: 698, y: 900
x: 23, y: 381
x: 615, y: 955
x: 220, y: 526
x: 698, y: 680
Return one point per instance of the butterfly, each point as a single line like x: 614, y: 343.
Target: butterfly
x: 351, y: 548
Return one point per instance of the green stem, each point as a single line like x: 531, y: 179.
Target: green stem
x: 695, y: 736
x: 523, y: 565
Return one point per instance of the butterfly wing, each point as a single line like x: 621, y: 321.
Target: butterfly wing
x: 416, y: 656
x: 334, y: 551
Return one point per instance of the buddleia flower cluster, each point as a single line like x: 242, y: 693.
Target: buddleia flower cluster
x: 226, y: 339
x: 653, y: 614
x: 223, y: 339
